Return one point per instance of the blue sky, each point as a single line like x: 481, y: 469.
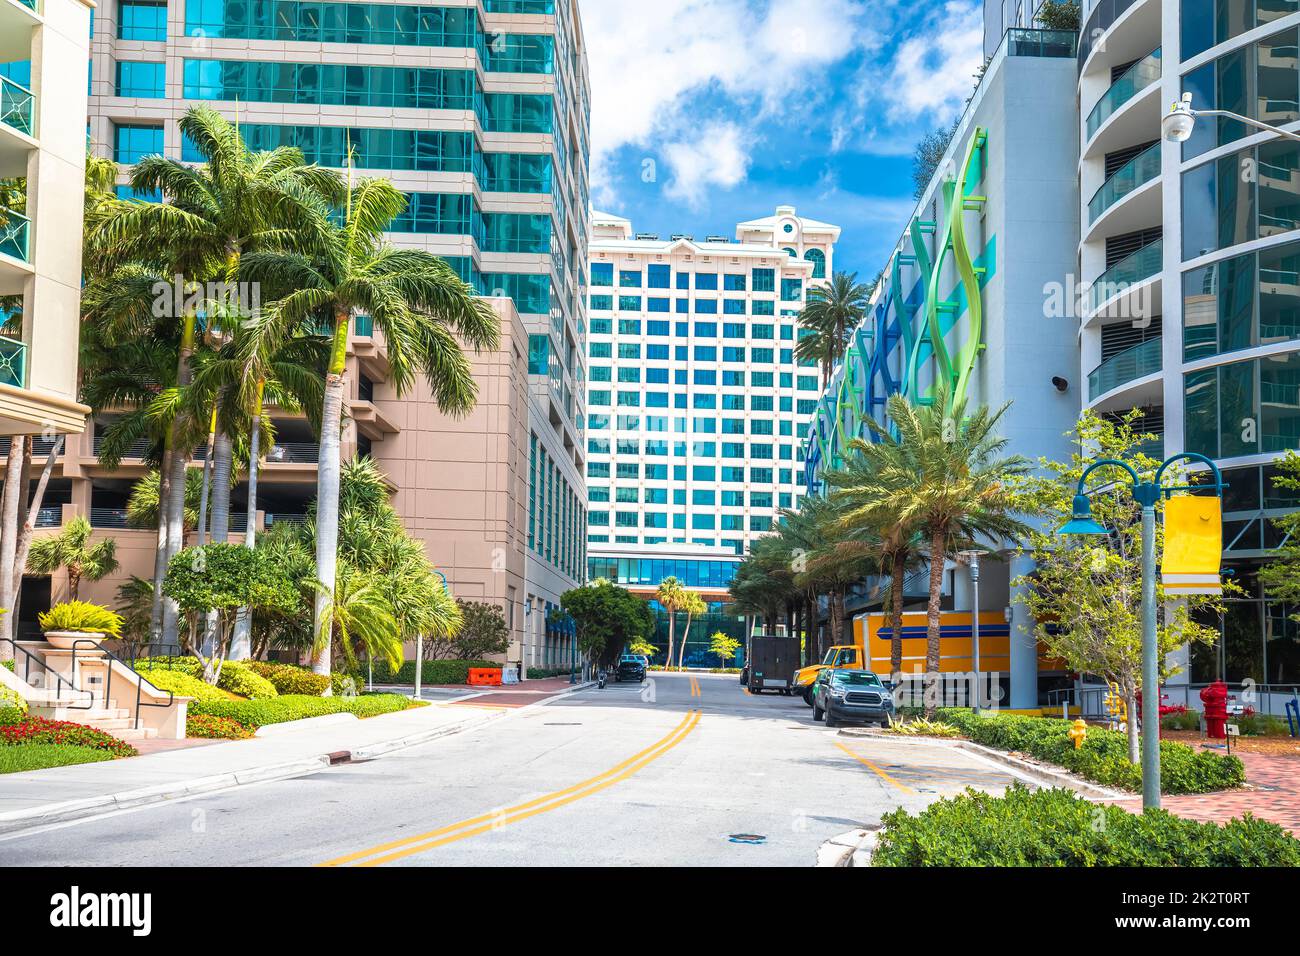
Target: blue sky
x: 706, y: 113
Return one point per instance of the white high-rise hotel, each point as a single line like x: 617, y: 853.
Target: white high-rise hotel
x: 696, y: 406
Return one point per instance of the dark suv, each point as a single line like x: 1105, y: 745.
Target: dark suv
x: 851, y: 695
x: 630, y: 668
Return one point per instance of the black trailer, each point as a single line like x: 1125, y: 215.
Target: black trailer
x: 771, y: 664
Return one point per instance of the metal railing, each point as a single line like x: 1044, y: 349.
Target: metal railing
x: 1134, y: 174
x: 138, y: 449
x: 1142, y: 359
x: 15, y: 229
x: 1137, y: 267
x: 1134, y: 80
x: 284, y: 519
x: 108, y: 518
x: 13, y: 362
x: 16, y: 106
x: 295, y: 452
x: 45, y: 673
x: 51, y: 517
x: 1023, y: 41
x: 109, y: 657
x: 40, y: 446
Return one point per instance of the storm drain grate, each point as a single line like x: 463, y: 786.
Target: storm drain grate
x: 754, y: 839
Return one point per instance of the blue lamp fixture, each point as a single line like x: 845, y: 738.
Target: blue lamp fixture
x: 1146, y: 494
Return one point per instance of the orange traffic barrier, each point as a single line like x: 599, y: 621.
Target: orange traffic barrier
x: 485, y: 676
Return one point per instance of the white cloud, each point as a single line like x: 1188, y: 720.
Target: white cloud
x: 718, y: 156
x: 935, y: 72
x: 650, y: 58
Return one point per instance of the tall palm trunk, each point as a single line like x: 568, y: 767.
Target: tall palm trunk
x: 835, y: 608
x: 222, y: 452
x: 241, y: 644
x: 934, y: 621
x: 15, y: 484
x: 30, y: 512
x: 327, y: 489
x: 207, y: 479
x: 74, y: 583
x: 897, y: 575
x: 672, y: 633
x: 177, y: 464
x: 160, y: 551
x: 844, y: 634
x: 686, y: 637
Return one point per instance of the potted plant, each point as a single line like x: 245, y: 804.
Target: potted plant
x: 65, y: 624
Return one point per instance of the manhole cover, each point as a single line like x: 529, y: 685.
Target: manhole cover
x: 751, y: 838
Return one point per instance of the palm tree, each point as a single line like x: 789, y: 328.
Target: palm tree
x: 422, y: 308
x: 671, y: 595
x: 831, y: 313
x: 693, y: 605
x: 946, y: 475
x: 895, y: 544
x: 71, y: 549
x: 214, y: 213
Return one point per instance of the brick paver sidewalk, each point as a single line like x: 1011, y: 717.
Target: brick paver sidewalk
x: 1272, y: 793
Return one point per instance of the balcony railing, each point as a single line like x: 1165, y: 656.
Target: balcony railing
x: 108, y: 517
x: 295, y: 452
x: 1133, y: 363
x: 284, y: 519
x: 16, y: 106
x: 1047, y: 43
x: 1135, y: 79
x: 40, y: 446
x: 14, y: 230
x: 1134, y: 174
x: 51, y: 517
x: 138, y: 449
x: 13, y: 362
x: 1138, y: 267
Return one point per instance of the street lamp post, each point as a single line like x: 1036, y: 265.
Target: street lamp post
x: 1180, y: 121
x: 1146, y: 494
x: 419, y: 645
x: 974, y: 559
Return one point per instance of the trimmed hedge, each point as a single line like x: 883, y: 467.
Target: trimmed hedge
x: 291, y: 678
x: 287, y: 707
x: 236, y: 676
x: 182, y: 684
x: 1103, y: 757
x: 41, y: 756
x: 215, y: 728
x: 1059, y: 828
x: 433, y: 672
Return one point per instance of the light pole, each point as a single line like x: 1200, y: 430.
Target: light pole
x: 973, y: 557
x: 1146, y: 494
x: 419, y: 643
x: 1180, y: 121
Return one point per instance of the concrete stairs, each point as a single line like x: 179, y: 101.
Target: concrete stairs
x: 102, y: 715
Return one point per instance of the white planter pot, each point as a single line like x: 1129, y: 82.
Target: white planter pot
x: 67, y: 640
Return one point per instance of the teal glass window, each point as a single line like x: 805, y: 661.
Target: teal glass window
x: 517, y: 113
x: 330, y: 84
x: 602, y: 273
x: 734, y: 379
x: 764, y: 280
x: 656, y: 376
x: 706, y: 281
x: 598, y: 397
x: 439, y: 213
x: 818, y: 259
x: 762, y: 426
x: 539, y: 354
x: 132, y: 143
x: 628, y: 374
x: 791, y: 290
x: 733, y: 403
x: 141, y: 79
x: 530, y: 293
x: 1242, y: 302
x: 629, y: 350
x: 602, y: 302
x: 541, y: 7
x: 706, y: 306
x: 657, y: 305
x: 629, y: 303
x: 763, y: 307
x: 733, y: 307
x: 762, y: 356
x: 629, y: 279
x: 332, y: 22
x: 733, y: 282
x: 807, y: 383
x: 1207, y: 23
x: 1222, y: 206
x: 683, y: 280
x: 601, y: 326
x: 516, y: 232
x: 515, y: 172
x: 657, y: 327
x: 683, y: 307
x: 733, y: 474
x: 706, y: 330
x: 519, y: 53
x: 139, y: 20
x: 658, y: 276
x: 656, y: 399
x: 762, y: 331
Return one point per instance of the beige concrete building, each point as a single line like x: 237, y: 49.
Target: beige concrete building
x: 44, y: 50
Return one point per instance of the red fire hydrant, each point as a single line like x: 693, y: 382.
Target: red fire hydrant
x: 1215, y: 699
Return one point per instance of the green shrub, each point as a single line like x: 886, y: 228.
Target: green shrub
x: 41, y: 730
x: 1261, y: 725
x: 433, y: 672
x: 1185, y: 720
x: 181, y: 684
x: 81, y: 616
x: 1103, y: 757
x: 40, y: 756
x: 237, y: 678
x: 12, y: 700
x: 215, y: 728
x: 1060, y: 828
x: 291, y: 678
x: 346, y: 685
x: 287, y: 707
x: 920, y: 727
x: 10, y: 715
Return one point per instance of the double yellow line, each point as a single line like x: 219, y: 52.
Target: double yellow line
x: 695, y: 687
x: 420, y: 843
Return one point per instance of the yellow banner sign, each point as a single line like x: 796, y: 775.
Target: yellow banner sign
x: 1193, y: 546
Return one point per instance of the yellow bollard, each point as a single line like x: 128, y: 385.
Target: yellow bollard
x: 1078, y: 732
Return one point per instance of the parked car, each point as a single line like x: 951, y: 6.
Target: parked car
x: 630, y: 667
x: 857, y: 695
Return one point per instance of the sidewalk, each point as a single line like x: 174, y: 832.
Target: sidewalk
x: 60, y: 793
x: 1272, y: 793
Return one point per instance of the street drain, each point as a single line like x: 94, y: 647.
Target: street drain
x: 557, y: 724
x: 750, y: 838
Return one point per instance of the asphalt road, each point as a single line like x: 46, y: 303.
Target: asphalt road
x: 685, y: 770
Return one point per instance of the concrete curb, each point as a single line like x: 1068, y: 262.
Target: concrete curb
x: 853, y: 848
x: 1037, y: 772
x: 17, y: 820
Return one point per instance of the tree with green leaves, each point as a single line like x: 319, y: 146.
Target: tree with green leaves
x: 947, y: 475
x: 71, y: 549
x: 928, y: 154
x: 219, y: 579
x: 671, y: 595
x: 694, y: 606
x: 1086, y: 593
x: 607, y: 618
x: 828, y: 319
x: 725, y: 646
x: 1059, y: 15
x: 1281, y: 575
x: 483, y: 633
x: 423, y: 310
